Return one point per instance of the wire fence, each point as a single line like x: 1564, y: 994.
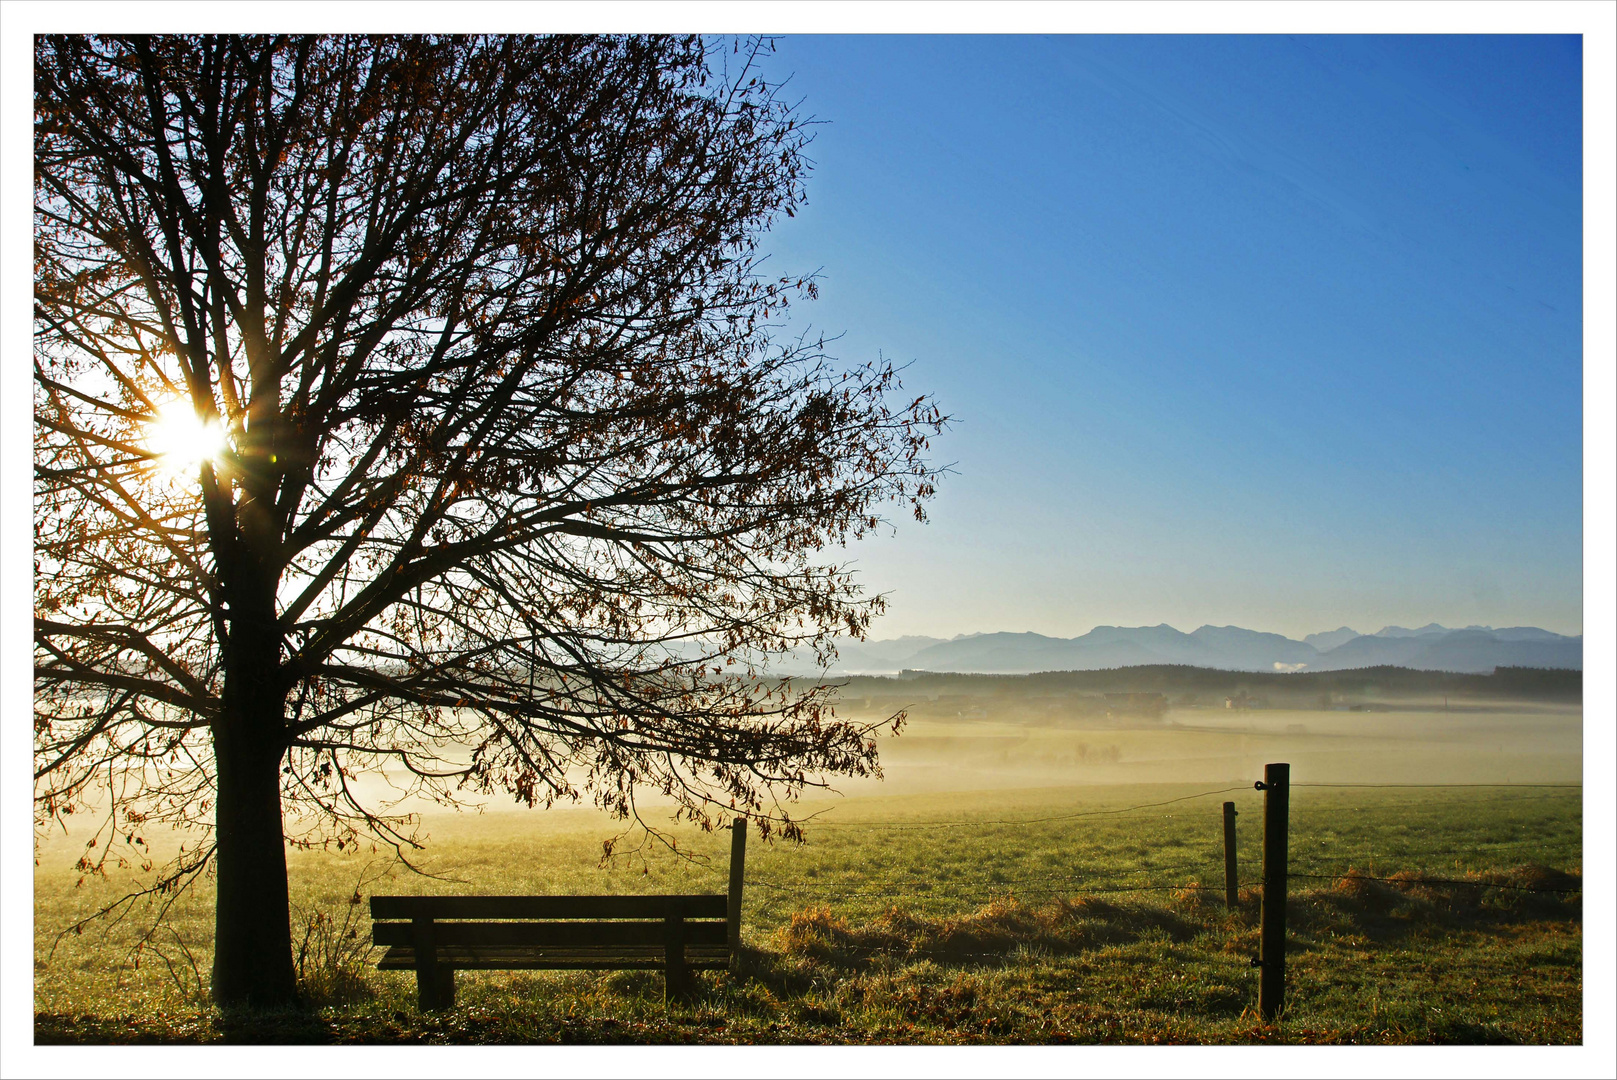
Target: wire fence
x: 976, y: 823
x: 1190, y: 876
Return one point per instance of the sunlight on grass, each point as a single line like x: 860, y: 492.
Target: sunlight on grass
x: 1108, y: 927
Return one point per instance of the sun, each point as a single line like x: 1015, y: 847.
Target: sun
x: 181, y: 439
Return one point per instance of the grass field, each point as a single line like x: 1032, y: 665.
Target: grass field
x: 1015, y: 911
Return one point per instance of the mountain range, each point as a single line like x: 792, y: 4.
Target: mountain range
x: 1429, y: 648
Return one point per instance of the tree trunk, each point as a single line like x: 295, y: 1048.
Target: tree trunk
x: 252, y: 959
x: 253, y: 938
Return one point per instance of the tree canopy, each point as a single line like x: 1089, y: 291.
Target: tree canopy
x: 494, y: 470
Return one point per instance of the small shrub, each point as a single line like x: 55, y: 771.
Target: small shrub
x: 1191, y: 896
x: 814, y: 933
x: 185, y: 969
x: 333, y: 956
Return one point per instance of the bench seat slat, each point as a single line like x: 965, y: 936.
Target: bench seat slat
x: 697, y: 906
x: 402, y: 958
x: 498, y: 934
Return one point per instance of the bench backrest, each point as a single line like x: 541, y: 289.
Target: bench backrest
x: 612, y: 922
x: 698, y: 906
x: 697, y: 919
x: 617, y: 921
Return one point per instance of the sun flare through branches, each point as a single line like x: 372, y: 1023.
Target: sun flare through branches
x: 182, y: 440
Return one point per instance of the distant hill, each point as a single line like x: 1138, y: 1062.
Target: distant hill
x: 1331, y: 638
x: 892, y: 654
x: 1428, y: 630
x: 1477, y: 649
x: 1249, y: 649
x: 1372, y: 650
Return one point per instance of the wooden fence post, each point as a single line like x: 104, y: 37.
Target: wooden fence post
x: 1231, y: 886
x: 1276, y: 787
x: 738, y: 866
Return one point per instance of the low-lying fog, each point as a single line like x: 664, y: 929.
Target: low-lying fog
x: 1518, y: 743
x: 997, y: 745
x: 1008, y: 741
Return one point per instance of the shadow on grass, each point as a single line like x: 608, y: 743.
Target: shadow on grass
x: 996, y: 934
x: 294, y: 1027
x: 1163, y: 972
x: 1406, y: 905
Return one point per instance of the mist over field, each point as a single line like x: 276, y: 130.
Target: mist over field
x: 1083, y: 733
x: 1028, y: 735
x: 1177, y: 725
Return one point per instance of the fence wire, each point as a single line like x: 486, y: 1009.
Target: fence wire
x: 1028, y: 887
x: 1075, y: 885
x: 902, y: 826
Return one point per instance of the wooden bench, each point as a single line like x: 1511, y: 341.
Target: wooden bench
x: 437, y: 935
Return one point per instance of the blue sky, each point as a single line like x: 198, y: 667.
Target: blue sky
x: 1268, y: 330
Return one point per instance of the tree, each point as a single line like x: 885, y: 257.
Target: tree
x: 511, y: 486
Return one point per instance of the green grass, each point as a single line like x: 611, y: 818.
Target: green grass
x: 1009, y: 916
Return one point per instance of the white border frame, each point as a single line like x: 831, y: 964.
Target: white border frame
x: 20, y: 19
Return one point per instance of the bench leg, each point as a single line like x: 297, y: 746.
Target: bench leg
x: 678, y: 985
x: 429, y: 974
x: 676, y: 976
x: 446, y: 986
x: 426, y: 987
x: 435, y: 987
